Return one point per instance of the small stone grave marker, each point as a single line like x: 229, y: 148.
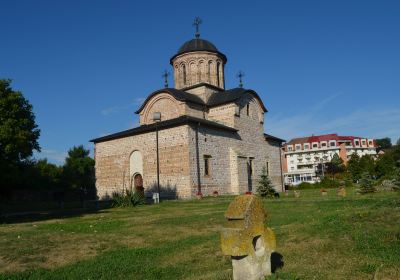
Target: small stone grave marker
x: 246, y: 240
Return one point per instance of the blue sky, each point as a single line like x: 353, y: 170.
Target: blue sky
x: 320, y: 66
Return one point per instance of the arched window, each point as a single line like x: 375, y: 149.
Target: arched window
x: 218, y: 66
x: 209, y: 72
x: 184, y: 74
x: 248, y: 109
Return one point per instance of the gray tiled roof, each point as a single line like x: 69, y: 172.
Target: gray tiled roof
x: 163, y: 125
x: 216, y: 99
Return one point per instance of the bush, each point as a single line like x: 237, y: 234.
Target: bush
x: 127, y: 198
x: 305, y: 185
x: 396, y: 180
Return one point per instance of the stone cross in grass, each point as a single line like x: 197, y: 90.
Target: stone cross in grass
x: 246, y: 239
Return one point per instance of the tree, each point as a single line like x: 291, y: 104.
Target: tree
x: 384, y: 143
x: 385, y: 165
x: 367, y: 164
x: 353, y: 166
x: 78, y: 170
x: 48, y: 174
x: 265, y: 187
x: 367, y: 183
x: 19, y: 133
x: 335, y: 165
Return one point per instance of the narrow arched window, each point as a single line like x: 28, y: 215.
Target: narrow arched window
x: 218, y: 66
x: 248, y: 109
x: 209, y: 72
x: 184, y: 74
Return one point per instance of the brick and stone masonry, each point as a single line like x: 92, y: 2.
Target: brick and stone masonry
x: 201, y: 124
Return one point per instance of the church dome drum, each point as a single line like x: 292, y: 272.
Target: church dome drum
x: 198, y: 61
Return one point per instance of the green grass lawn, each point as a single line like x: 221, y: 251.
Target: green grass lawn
x: 357, y: 237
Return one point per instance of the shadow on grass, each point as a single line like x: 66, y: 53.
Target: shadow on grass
x: 42, y: 215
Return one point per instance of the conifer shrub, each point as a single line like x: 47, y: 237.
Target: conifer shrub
x: 366, y: 184
x: 265, y: 188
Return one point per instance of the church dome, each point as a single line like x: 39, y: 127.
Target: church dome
x: 198, y: 44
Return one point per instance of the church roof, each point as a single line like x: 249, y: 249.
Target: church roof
x: 163, y: 125
x: 198, y: 44
x: 273, y: 138
x: 232, y: 95
x: 216, y: 99
x: 177, y: 94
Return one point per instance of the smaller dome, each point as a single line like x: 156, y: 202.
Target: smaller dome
x: 197, y: 44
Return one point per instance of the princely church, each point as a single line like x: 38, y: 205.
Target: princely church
x: 206, y: 138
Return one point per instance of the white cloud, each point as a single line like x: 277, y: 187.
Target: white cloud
x: 52, y: 156
x: 116, y: 109
x: 374, y: 122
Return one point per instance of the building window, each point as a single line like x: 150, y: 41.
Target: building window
x: 184, y: 74
x: 356, y: 143
x: 248, y: 109
x: 363, y: 142
x: 207, y: 160
x: 306, y: 146
x: 370, y: 143
x: 209, y: 72
x: 267, y: 167
x: 290, y: 148
x: 333, y: 144
x: 218, y: 66
x: 323, y: 145
x: 315, y: 145
x: 250, y: 166
x: 298, y: 147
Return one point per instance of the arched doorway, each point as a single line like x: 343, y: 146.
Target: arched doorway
x: 138, y: 183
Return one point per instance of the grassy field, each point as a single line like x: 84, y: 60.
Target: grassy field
x: 357, y: 237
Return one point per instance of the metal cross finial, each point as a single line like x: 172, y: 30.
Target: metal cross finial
x: 240, y: 75
x: 197, y: 21
x: 165, y: 76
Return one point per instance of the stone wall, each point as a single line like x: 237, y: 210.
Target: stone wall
x: 168, y: 106
x: 230, y: 153
x: 198, y: 67
x: 112, y: 161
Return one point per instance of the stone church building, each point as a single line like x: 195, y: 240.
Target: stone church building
x: 209, y: 138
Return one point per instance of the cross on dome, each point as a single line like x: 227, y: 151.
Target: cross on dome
x: 240, y: 75
x: 197, y: 21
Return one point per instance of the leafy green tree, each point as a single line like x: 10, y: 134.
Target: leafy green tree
x: 353, y: 166
x: 78, y: 170
x: 367, y: 164
x: 265, y: 187
x: 385, y: 165
x: 336, y: 165
x: 384, y: 143
x: 48, y: 174
x: 19, y: 133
